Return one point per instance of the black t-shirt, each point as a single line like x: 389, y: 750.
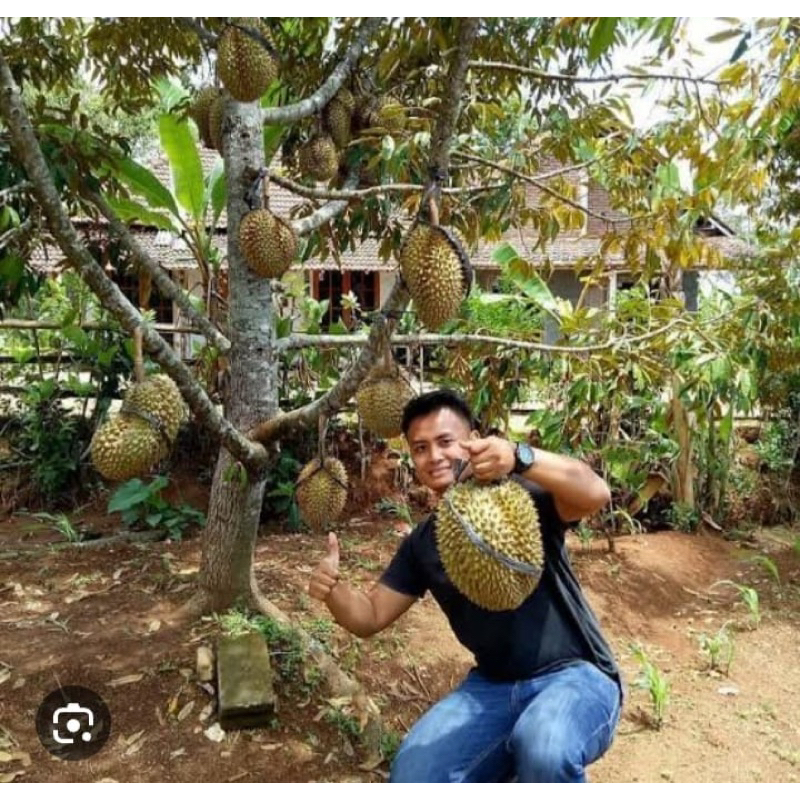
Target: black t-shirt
x: 553, y: 626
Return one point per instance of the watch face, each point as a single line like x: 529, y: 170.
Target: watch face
x: 525, y: 455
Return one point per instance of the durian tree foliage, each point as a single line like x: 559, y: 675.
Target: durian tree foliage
x: 482, y: 104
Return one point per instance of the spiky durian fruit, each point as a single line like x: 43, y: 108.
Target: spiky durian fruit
x: 268, y: 244
x: 321, y: 492
x: 245, y: 65
x: 381, y: 399
x: 388, y: 114
x: 437, y: 272
x: 125, y: 447
x: 337, y: 120
x: 505, y: 518
x: 216, y: 116
x: 200, y: 111
x: 161, y: 399
x: 318, y: 158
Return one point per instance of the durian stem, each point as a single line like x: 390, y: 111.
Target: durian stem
x: 138, y: 357
x: 322, y: 428
x: 434, y: 210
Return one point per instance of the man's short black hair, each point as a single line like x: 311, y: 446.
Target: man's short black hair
x: 432, y: 401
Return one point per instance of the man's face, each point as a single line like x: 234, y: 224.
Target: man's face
x: 434, y: 443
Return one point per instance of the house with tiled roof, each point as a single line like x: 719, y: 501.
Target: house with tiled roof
x: 364, y: 273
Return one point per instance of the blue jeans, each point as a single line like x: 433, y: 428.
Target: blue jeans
x: 542, y: 730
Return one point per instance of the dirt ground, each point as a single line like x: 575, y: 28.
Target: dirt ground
x: 107, y: 618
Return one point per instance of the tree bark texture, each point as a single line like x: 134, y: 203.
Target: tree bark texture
x: 226, y: 574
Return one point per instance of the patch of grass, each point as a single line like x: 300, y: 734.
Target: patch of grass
x: 390, y: 744
x: 61, y: 524
x: 344, y: 722
x: 285, y: 646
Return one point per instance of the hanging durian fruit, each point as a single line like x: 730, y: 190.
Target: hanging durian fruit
x: 388, y: 114
x: 125, y: 447
x: 268, y: 243
x: 158, y: 398
x: 321, y: 488
x: 435, y: 268
x: 321, y: 492
x: 382, y: 397
x: 216, y: 116
x: 245, y: 65
x: 200, y: 112
x: 337, y: 118
x: 135, y: 440
x: 318, y: 158
x: 489, y: 540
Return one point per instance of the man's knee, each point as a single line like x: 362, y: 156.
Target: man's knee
x: 546, y: 754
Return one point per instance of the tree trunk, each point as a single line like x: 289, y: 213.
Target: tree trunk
x: 235, y: 507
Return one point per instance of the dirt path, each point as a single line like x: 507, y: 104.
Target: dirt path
x: 106, y: 619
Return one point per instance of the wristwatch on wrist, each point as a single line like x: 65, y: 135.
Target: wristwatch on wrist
x: 524, y: 457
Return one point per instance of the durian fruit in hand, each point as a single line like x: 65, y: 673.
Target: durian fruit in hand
x: 268, y: 244
x: 437, y: 272
x: 126, y: 447
x: 318, y: 158
x: 245, y: 65
x: 321, y: 492
x: 504, y: 517
x: 381, y: 399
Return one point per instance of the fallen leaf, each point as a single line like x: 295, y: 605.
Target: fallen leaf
x: 206, y: 712
x: 5, y: 675
x: 273, y: 746
x: 10, y: 777
x: 178, y: 753
x: 371, y: 764
x: 154, y: 625
x: 5, y: 757
x: 185, y: 711
x: 125, y: 679
x: 22, y: 756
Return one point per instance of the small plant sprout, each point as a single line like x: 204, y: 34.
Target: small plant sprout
x: 654, y: 681
x: 747, y: 595
x: 718, y: 649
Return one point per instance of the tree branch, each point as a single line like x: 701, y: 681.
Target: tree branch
x: 15, y: 233
x: 28, y: 152
x: 297, y: 341
x: 9, y: 190
x: 314, y: 193
x: 611, y: 78
x: 451, y: 103
x: 335, y: 399
x: 311, y: 105
x: 543, y: 187
x: 326, y: 213
x: 205, y: 36
x: 162, y: 281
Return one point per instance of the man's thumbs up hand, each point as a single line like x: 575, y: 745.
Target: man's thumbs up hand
x: 326, y: 575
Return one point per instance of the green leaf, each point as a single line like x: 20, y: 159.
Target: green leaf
x: 219, y: 191
x: 141, y: 181
x: 128, y: 210
x: 534, y: 287
x: 184, y: 161
x: 272, y: 139
x: 602, y: 37
x: 129, y: 495
x: 724, y: 36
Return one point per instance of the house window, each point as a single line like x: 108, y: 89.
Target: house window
x: 332, y: 284
x: 128, y: 282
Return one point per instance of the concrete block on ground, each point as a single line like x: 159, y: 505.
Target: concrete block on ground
x: 245, y: 690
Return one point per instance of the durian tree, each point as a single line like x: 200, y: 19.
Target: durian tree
x: 443, y: 123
